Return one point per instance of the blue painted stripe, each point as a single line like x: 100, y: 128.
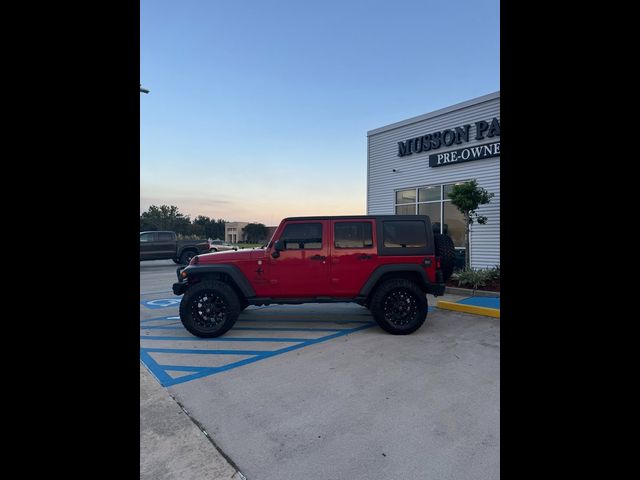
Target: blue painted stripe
x: 222, y: 339
x: 246, y: 361
x: 326, y: 314
x: 487, y: 302
x: 260, y: 329
x: 155, y: 370
x: 339, y: 322
x: 162, y: 327
x: 160, y: 318
x: 185, y: 368
x: 284, y: 329
x: 275, y: 320
x: 151, y: 293
x: 205, y: 352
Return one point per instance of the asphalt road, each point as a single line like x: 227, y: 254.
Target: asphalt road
x: 320, y: 392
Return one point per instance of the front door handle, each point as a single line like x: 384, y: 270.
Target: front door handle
x: 317, y: 257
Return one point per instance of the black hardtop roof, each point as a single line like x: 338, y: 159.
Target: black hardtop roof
x: 157, y: 231
x: 356, y: 217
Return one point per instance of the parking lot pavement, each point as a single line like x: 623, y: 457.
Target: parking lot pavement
x: 320, y: 392
x: 171, y: 445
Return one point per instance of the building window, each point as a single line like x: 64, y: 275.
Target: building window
x: 433, y: 200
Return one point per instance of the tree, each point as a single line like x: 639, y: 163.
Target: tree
x: 165, y: 217
x: 467, y: 197
x: 255, y: 232
x: 217, y: 229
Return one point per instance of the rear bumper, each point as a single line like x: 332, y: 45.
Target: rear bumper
x: 436, y: 289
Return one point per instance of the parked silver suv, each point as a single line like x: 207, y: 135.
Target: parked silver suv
x: 220, y: 246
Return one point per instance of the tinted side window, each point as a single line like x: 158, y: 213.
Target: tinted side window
x: 165, y: 237
x: 302, y: 236
x: 146, y: 237
x: 406, y: 233
x: 353, y: 235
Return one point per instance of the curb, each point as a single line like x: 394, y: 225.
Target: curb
x: 471, y: 293
x: 459, y: 307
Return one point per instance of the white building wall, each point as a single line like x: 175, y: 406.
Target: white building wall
x: 233, y: 231
x: 414, y: 171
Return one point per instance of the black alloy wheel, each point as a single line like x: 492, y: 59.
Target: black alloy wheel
x: 209, y: 308
x: 208, y: 311
x: 399, y: 306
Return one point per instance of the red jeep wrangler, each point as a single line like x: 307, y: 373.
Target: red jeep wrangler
x: 387, y: 263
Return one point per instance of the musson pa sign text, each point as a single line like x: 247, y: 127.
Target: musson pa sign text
x: 450, y: 136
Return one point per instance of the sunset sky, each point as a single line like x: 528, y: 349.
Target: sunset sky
x: 259, y: 110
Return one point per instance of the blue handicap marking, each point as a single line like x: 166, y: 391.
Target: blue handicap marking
x: 257, y: 347
x: 488, y: 302
x: 162, y: 303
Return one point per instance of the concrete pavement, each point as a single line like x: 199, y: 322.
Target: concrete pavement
x: 367, y: 405
x: 171, y: 445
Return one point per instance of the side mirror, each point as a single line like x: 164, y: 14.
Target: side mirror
x: 277, y: 248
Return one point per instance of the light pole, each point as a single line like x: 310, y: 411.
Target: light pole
x: 143, y: 90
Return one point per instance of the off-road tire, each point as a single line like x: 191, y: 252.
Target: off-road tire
x: 213, y: 250
x: 209, y: 309
x: 186, y: 257
x: 399, y: 306
x: 447, y: 253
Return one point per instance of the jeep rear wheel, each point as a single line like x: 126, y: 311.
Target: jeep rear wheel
x: 399, y: 306
x: 447, y: 253
x: 209, y: 309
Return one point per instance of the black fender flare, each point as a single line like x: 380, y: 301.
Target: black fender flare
x: 234, y: 272
x: 398, y: 267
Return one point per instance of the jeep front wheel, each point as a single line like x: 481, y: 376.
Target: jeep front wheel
x: 399, y: 306
x: 209, y: 309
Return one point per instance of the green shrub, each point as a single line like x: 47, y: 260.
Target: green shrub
x: 494, y: 273
x: 474, y: 278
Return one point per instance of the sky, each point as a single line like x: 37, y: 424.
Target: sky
x: 259, y: 110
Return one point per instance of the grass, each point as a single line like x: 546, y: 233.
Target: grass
x: 248, y: 245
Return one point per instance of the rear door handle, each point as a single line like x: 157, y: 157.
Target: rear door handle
x: 317, y: 257
x: 364, y: 256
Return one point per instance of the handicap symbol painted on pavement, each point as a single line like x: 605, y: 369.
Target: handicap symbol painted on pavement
x: 161, y: 303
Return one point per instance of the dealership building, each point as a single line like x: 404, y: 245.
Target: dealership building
x: 413, y: 164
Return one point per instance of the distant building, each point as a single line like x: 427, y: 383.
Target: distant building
x: 233, y: 231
